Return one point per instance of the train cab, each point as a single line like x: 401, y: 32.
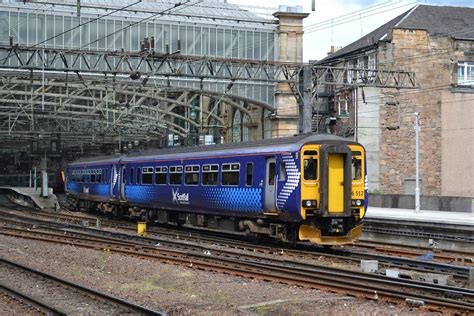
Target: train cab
x: 332, y: 192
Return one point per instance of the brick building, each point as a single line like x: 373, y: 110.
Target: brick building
x: 437, y: 43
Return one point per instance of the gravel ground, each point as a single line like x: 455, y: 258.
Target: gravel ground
x: 183, y: 290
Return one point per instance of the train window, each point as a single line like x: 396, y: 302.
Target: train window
x: 176, y: 175
x: 282, y: 176
x: 310, y: 153
x: 310, y: 169
x: 138, y: 175
x: 92, y: 178
x: 147, y: 175
x: 249, y: 174
x: 271, y: 173
x: 98, y: 178
x: 356, y: 169
x: 131, y: 176
x: 191, y: 175
x: 160, y: 175
x: 230, y: 174
x: 210, y: 174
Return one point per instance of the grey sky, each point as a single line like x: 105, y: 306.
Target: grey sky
x: 340, y: 22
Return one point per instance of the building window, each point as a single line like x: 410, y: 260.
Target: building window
x: 245, y: 128
x: 466, y: 73
x: 237, y: 127
x: 372, y: 65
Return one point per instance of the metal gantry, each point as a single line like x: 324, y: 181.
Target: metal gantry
x: 85, y: 94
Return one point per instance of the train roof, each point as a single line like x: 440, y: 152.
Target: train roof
x: 292, y: 143
x: 94, y: 160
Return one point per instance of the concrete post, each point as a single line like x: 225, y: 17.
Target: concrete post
x: 44, y: 184
x: 417, y: 162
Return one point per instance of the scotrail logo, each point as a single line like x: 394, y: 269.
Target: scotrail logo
x: 182, y: 198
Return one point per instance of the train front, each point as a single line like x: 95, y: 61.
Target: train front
x: 333, y: 192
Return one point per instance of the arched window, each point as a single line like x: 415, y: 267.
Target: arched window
x: 237, y: 127
x: 245, y: 129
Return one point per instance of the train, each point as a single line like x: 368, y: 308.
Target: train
x: 308, y: 187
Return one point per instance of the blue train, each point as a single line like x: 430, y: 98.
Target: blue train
x: 306, y: 187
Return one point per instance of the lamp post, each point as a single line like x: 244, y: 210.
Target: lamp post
x: 417, y: 162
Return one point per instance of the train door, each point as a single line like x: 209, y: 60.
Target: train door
x: 336, y: 180
x: 336, y: 183
x: 270, y: 178
x: 114, y: 186
x: 122, y: 183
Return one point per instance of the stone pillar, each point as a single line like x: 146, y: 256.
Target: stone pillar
x: 290, y: 37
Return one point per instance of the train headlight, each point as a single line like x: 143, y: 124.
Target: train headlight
x: 309, y: 203
x: 357, y: 202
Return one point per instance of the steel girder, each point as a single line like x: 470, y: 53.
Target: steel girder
x: 129, y: 93
x: 149, y: 63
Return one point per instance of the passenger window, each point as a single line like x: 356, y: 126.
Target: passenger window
x: 311, y: 169
x: 191, y: 175
x: 147, y: 175
x: 176, y: 175
x: 249, y: 176
x: 230, y: 174
x: 356, y: 169
x: 210, y: 174
x: 138, y: 176
x: 93, y: 178
x: 98, y: 176
x: 131, y: 176
x: 282, y: 176
x: 271, y: 174
x: 160, y: 175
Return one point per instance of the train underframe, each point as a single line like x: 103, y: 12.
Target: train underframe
x: 324, y: 231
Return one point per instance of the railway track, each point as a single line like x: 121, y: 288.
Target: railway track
x: 302, y: 252
x: 72, y: 297
x: 19, y: 303
x: 270, y: 269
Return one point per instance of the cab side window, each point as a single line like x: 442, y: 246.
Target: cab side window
x: 310, y: 169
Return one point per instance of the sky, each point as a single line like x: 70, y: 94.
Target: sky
x: 341, y: 22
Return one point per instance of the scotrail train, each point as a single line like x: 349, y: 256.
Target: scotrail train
x: 307, y: 187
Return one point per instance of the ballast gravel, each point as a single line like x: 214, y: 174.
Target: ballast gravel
x: 179, y: 290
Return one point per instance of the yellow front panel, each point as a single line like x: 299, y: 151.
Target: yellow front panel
x: 336, y: 183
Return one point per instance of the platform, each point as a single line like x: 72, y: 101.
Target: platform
x: 435, y: 229
x: 452, y: 218
x: 31, y: 197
